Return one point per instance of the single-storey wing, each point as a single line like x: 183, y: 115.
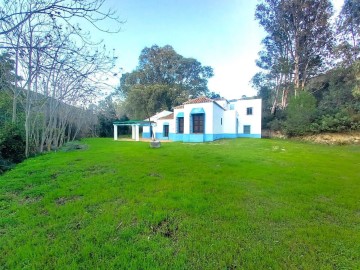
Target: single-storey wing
x: 203, y: 119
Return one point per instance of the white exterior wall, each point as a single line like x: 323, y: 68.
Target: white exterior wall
x: 160, y: 125
x: 253, y: 120
x: 229, y: 122
x: 172, y: 125
x: 146, y: 129
x: 223, y: 103
x: 216, y: 120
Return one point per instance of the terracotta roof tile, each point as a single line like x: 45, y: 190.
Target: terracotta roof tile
x: 198, y: 100
x: 167, y: 117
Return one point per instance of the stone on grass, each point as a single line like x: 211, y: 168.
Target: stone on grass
x: 155, y: 144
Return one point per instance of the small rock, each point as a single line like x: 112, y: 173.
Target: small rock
x: 155, y: 144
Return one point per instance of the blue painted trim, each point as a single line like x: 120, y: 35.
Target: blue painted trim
x: 165, y: 123
x: 160, y: 136
x: 197, y: 110
x: 180, y: 114
x: 176, y: 137
x: 249, y: 136
x: 208, y: 137
x: 194, y: 138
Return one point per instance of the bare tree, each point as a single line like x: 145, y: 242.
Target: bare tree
x: 58, y: 62
x: 13, y: 14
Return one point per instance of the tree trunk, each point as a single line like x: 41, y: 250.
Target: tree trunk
x: 296, y: 75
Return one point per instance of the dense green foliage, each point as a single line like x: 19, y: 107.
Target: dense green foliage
x: 12, y: 146
x: 299, y: 114
x: 244, y: 203
x: 332, y: 106
x: 164, y: 79
x: 301, y: 53
x: 107, y: 113
x: 12, y: 141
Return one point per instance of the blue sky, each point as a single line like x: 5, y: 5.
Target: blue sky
x: 219, y: 33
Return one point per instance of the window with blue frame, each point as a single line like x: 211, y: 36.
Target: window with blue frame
x: 249, y: 111
x: 198, y: 123
x: 180, y: 127
x: 166, y: 130
x: 247, y: 129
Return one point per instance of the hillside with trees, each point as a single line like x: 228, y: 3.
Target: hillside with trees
x: 50, y: 71
x: 311, y: 67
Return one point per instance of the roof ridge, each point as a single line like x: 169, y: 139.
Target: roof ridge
x: 201, y: 99
x: 169, y: 116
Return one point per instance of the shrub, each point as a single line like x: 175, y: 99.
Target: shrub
x: 276, y: 125
x: 300, y: 113
x: 341, y: 121
x: 12, y: 144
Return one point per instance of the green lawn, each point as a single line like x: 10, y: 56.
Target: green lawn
x: 231, y: 204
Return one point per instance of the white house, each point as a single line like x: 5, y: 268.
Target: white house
x: 203, y: 119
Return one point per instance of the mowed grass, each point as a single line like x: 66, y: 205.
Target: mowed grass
x: 230, y: 204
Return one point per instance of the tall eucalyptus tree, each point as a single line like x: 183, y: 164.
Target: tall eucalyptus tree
x: 298, y: 42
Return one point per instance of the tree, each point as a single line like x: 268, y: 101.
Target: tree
x: 163, y: 72
x: 107, y: 114
x: 213, y: 95
x: 13, y: 14
x: 143, y: 101
x: 348, y: 28
x: 298, y: 41
x: 356, y: 88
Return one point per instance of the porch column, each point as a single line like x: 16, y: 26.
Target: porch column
x: 137, y: 133
x: 133, y: 132
x: 115, y: 132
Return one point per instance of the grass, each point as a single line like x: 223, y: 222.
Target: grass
x: 230, y: 204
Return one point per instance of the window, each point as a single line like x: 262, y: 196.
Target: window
x: 166, y: 131
x: 247, y: 129
x: 221, y: 121
x: 180, y: 124
x: 198, y: 123
x: 249, y: 111
x: 232, y: 106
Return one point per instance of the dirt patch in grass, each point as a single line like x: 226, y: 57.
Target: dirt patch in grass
x: 72, y: 146
x: 166, y: 227
x: 98, y: 170
x: 65, y: 200
x: 30, y: 199
x: 157, y: 175
x: 54, y: 175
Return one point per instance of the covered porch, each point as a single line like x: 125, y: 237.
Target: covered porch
x: 135, y: 128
